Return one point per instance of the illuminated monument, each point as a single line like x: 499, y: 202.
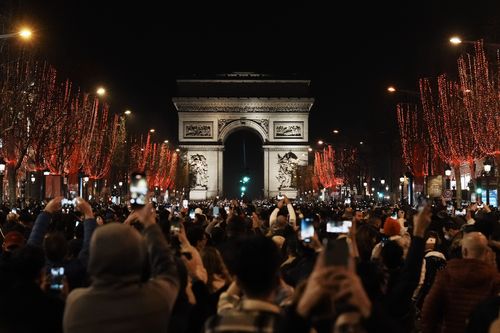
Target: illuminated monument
x: 277, y: 110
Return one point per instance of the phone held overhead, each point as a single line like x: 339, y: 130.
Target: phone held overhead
x: 138, y: 189
x: 307, y: 230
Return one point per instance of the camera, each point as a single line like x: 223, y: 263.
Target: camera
x: 138, y: 189
x: 68, y: 202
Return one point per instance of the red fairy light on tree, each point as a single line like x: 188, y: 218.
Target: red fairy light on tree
x: 414, y: 139
x: 99, y: 147
x: 480, y: 87
x: 139, y: 154
x: 27, y: 91
x: 448, y: 122
x: 162, y: 166
x: 324, y: 167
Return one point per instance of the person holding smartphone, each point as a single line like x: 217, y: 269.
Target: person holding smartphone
x: 118, y: 255
x: 278, y: 220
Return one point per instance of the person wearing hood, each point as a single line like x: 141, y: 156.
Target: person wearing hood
x: 460, y: 287
x: 120, y: 298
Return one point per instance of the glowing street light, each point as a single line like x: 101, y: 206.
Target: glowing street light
x: 335, y: 131
x: 101, y: 91
x: 382, y: 181
x: 166, y: 141
x: 177, y: 150
x: 152, y: 130
x: 309, y: 149
x: 391, y: 89
x: 455, y: 40
x: 361, y: 142
x: 320, y: 142
x: 127, y: 112
x: 25, y: 33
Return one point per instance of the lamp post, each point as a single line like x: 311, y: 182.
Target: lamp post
x: 2, y: 172
x: 487, y: 169
x: 447, y: 173
x: 402, y: 182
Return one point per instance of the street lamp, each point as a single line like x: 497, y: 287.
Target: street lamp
x: 391, y: 89
x: 127, y: 112
x: 455, y: 40
x: 335, y: 131
x: 101, y: 91
x: 24, y: 33
x: 402, y: 182
x: 166, y: 141
x: 309, y: 149
x: 2, y: 171
x: 382, y: 181
x: 152, y: 130
x: 487, y: 165
x: 320, y: 142
x: 447, y: 172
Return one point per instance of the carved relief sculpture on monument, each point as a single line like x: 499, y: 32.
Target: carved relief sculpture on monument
x: 198, y: 172
x: 287, y: 170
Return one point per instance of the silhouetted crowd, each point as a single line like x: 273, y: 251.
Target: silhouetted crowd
x: 234, y: 266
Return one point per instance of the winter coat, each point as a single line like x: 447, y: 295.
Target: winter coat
x: 457, y: 289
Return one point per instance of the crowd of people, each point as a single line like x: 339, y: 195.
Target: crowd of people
x: 236, y: 266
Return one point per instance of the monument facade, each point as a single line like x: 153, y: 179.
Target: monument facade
x: 206, y: 119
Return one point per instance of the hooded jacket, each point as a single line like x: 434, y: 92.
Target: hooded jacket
x: 118, y: 299
x: 457, y: 290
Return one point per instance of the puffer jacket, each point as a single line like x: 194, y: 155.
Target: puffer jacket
x: 457, y: 289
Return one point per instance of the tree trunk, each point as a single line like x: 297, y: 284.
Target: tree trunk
x: 11, y: 176
x: 458, y: 183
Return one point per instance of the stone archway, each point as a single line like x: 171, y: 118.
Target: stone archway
x: 206, y: 122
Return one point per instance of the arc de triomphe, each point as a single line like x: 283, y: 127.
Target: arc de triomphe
x: 280, y: 122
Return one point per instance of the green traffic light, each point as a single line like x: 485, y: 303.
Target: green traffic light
x: 243, y: 189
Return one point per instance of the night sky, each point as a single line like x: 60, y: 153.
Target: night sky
x: 351, y: 51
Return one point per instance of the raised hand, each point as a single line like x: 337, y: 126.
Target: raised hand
x: 54, y: 205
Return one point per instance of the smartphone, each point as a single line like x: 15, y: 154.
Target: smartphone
x: 68, y: 202
x: 215, y: 211
x: 14, y: 211
x: 191, y: 214
x: 226, y: 209
x: 138, y: 189
x: 175, y: 225
x: 338, y: 227
x: 306, y: 230
x: 279, y: 197
x: 56, y: 278
x: 337, y: 252
x: 184, y: 203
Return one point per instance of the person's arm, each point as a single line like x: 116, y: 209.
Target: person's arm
x: 274, y: 214
x: 161, y: 257
x: 42, y: 222
x: 292, y: 217
x: 432, y: 311
x: 229, y: 299
x: 398, y: 299
x: 89, y: 225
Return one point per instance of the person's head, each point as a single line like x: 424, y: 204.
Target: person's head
x: 197, y: 237
x: 13, y: 240
x: 450, y: 229
x: 392, y: 254
x: 375, y: 221
x: 117, y: 252
x: 55, y: 246
x: 391, y: 227
x: 213, y: 263
x: 236, y: 226
x: 401, y: 214
x: 432, y: 241
x: 12, y: 217
x: 256, y: 266
x: 474, y: 246
x: 358, y: 216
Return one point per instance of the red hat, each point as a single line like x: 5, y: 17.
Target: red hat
x: 13, y: 239
x: 391, y: 227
